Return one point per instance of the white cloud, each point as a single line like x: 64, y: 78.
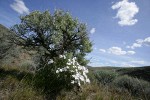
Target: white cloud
x: 146, y: 41
x: 92, y: 31
x: 126, y: 12
x: 116, y: 51
x: 119, y: 51
x: 130, y: 52
x: 140, y: 43
x: 19, y: 7
x: 102, y: 50
x: 135, y: 45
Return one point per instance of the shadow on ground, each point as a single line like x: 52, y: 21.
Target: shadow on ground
x: 16, y: 74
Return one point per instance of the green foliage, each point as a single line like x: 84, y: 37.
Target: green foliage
x: 135, y: 86
x: 53, y: 34
x: 105, y: 77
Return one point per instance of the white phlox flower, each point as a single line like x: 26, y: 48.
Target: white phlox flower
x: 57, y: 71
x: 79, y: 73
x: 62, y: 56
x: 72, y: 82
x: 50, y: 61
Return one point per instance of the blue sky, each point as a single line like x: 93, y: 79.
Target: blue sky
x: 119, y: 29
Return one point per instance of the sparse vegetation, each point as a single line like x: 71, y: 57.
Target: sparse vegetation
x: 49, y: 69
x: 135, y: 86
x: 105, y: 77
x: 16, y: 85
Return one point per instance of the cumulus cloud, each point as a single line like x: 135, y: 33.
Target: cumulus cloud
x: 92, y: 31
x: 135, y: 45
x: 126, y: 12
x: 146, y: 41
x: 140, y: 43
x: 130, y: 52
x: 117, y: 51
x: 102, y: 50
x: 20, y: 7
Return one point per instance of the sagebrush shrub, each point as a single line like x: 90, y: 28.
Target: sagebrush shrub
x: 133, y: 85
x: 105, y: 77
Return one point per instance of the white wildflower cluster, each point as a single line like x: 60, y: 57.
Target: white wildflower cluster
x: 62, y: 56
x: 62, y: 69
x: 79, y: 73
x: 50, y: 61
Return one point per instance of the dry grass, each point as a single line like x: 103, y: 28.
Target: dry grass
x: 13, y: 86
x: 94, y: 92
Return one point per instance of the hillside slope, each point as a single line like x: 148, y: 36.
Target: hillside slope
x: 10, y: 53
x: 138, y: 72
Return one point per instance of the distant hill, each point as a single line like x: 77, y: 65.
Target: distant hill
x: 138, y: 72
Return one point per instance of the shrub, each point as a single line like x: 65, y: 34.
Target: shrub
x: 133, y: 85
x: 58, y: 74
x: 105, y: 77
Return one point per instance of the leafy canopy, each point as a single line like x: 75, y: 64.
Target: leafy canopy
x: 56, y: 34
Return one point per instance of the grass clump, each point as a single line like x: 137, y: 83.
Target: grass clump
x: 94, y: 91
x: 14, y: 85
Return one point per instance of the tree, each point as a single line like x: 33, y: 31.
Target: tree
x: 52, y: 36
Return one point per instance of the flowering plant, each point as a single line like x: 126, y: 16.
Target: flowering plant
x: 63, y: 72
x: 77, y: 72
